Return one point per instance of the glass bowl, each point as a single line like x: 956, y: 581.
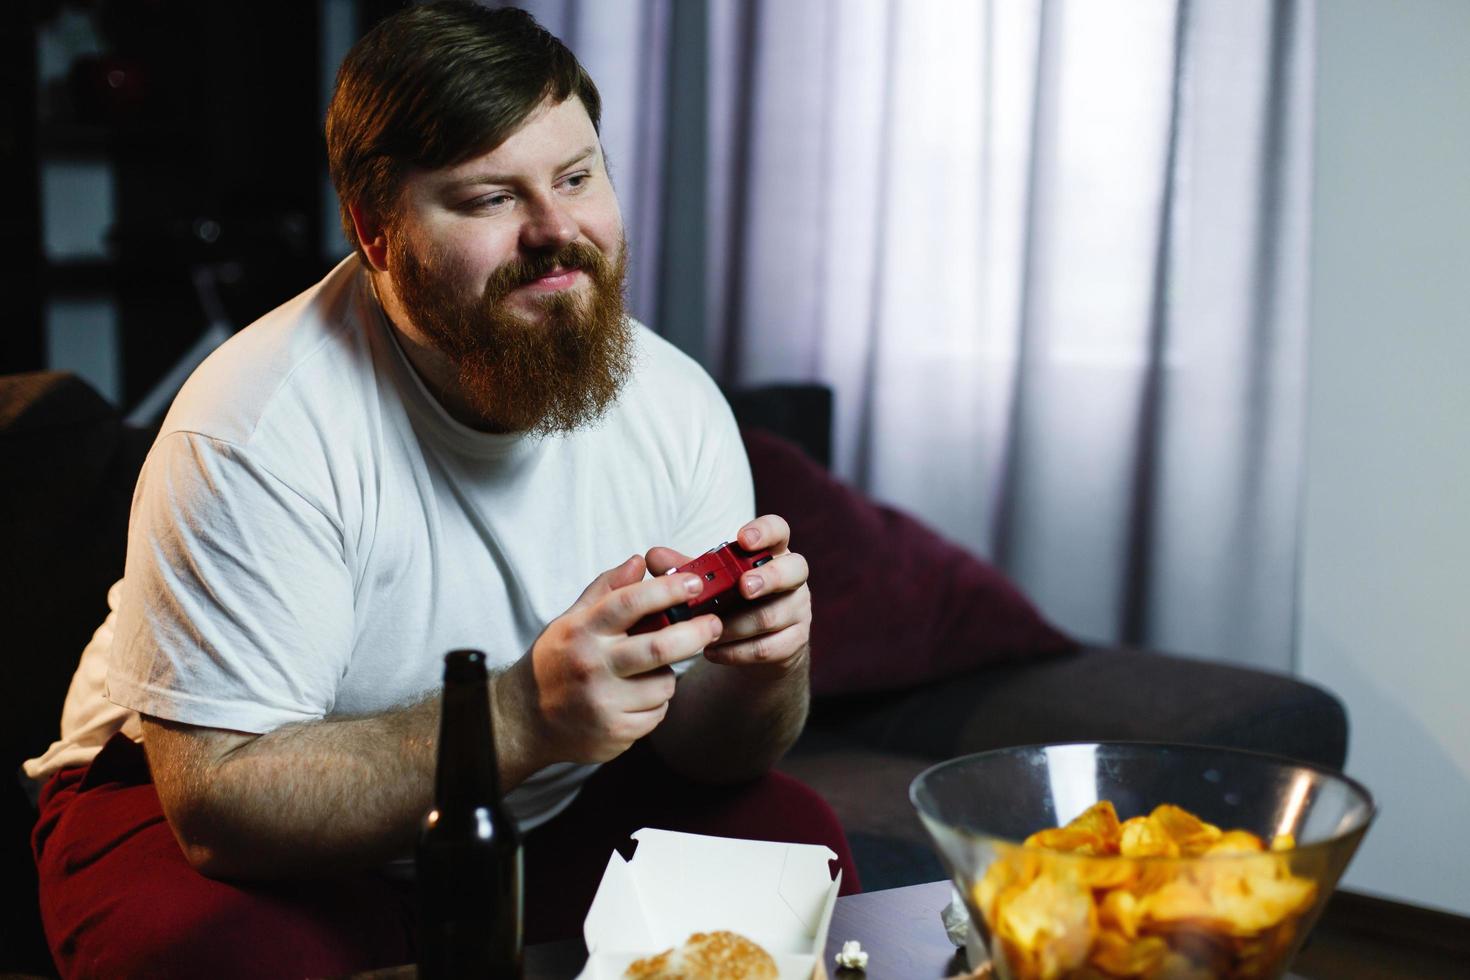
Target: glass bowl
x: 1047, y: 914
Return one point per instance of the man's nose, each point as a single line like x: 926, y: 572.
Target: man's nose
x: 548, y: 226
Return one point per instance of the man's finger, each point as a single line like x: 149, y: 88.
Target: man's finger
x: 646, y: 652
x: 627, y: 573
x: 646, y: 692
x: 767, y: 532
x: 640, y: 723
x: 782, y: 574
x: 619, y: 609
x: 767, y: 648
x: 660, y: 560
x: 767, y: 616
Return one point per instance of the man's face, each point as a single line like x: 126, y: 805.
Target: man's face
x: 511, y: 265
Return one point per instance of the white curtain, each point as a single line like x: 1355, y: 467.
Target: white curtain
x: 1050, y: 254
x: 625, y: 47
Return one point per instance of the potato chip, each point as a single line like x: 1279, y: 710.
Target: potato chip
x: 1013, y: 868
x: 1146, y: 837
x: 1164, y: 896
x: 1100, y: 873
x: 1069, y: 840
x: 1123, y: 957
x: 1053, y: 921
x: 1093, y: 831
x: 1101, y: 820
x: 1119, y: 913
x: 1178, y: 901
x: 1236, y: 842
x: 1252, y: 903
x: 1151, y: 875
x: 1188, y: 831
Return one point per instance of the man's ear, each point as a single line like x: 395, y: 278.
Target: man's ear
x: 371, y: 235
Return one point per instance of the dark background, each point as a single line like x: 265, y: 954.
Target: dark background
x: 208, y: 117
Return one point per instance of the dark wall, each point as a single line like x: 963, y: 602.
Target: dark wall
x: 20, y: 229
x: 209, y: 117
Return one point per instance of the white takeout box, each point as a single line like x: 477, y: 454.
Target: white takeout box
x: 778, y: 895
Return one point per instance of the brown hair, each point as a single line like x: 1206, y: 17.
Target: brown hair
x: 435, y: 85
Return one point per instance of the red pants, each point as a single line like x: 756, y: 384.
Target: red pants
x: 119, y: 900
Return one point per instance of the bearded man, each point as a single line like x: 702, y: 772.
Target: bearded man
x: 454, y: 440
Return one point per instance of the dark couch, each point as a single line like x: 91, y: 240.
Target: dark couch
x: 920, y: 651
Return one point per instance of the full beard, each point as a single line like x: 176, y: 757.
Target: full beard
x: 555, y: 374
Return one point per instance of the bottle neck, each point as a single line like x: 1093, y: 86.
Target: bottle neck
x: 466, y: 777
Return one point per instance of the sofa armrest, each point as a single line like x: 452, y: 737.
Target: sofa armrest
x: 1098, y: 694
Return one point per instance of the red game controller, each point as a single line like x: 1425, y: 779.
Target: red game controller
x: 721, y: 568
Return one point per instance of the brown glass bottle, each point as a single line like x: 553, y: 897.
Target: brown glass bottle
x: 468, y: 861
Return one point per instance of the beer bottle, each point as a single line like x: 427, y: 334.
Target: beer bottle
x: 468, y: 861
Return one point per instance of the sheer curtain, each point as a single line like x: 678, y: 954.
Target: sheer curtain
x: 1051, y: 255
x: 626, y: 46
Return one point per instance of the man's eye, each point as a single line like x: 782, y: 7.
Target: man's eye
x: 488, y: 202
x: 576, y: 181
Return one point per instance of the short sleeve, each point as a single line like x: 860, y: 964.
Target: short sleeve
x: 237, y: 607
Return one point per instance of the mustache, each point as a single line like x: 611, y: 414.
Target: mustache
x: 526, y: 269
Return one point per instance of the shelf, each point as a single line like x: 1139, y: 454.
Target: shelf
x: 74, y: 140
x: 78, y: 277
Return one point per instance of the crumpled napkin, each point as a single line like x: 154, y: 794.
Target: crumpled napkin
x: 956, y: 919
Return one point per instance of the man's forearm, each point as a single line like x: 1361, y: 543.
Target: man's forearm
x: 310, y: 798
x: 731, y: 723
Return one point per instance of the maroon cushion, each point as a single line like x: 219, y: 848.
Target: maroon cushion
x: 894, y: 604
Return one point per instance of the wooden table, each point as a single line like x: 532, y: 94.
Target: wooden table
x: 1357, y: 939
x: 900, y: 930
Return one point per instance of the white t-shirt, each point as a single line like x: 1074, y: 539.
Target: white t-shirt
x: 312, y: 532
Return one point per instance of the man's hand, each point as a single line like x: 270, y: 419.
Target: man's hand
x: 774, y: 632
x: 739, y: 712
x: 587, y: 690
